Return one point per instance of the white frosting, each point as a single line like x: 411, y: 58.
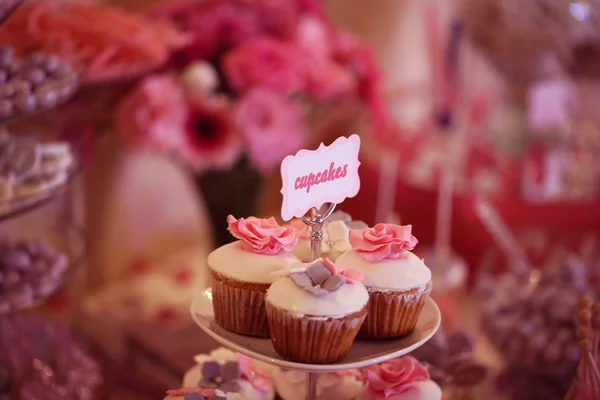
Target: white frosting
x: 291, y: 385
x: 286, y: 295
x: 233, y: 262
x: 302, y: 250
x: 406, y: 272
x: 247, y: 391
x: 427, y: 390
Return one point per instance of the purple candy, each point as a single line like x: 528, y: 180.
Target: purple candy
x: 46, y: 286
x: 7, y: 90
x: 59, y: 265
x: 21, y: 87
x: 24, y: 102
x: 11, y: 278
x: 38, y: 267
x: 29, y: 269
x: 17, y: 259
x: 6, y: 108
x: 34, y: 75
x: 46, y: 249
x: 51, y: 64
x: 20, y: 296
x: 7, y: 56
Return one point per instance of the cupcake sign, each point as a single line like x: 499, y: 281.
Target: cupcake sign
x: 326, y: 175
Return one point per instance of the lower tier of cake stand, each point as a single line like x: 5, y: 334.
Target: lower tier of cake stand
x: 362, y: 353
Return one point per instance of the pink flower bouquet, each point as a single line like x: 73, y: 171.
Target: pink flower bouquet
x: 246, y: 83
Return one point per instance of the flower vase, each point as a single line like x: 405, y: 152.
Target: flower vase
x: 233, y: 191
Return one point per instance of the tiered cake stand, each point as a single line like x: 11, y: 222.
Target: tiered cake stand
x: 362, y: 353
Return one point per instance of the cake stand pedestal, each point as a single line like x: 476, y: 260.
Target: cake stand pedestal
x: 362, y: 353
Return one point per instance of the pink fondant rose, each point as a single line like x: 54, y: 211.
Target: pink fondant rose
x: 350, y: 275
x: 394, y: 377
x: 264, y: 62
x: 382, y: 241
x: 263, y: 236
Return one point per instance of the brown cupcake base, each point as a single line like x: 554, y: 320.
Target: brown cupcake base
x: 239, y: 306
x: 313, y: 340
x: 393, y: 313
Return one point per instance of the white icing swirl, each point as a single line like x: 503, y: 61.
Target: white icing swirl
x: 230, y: 260
x: 286, y: 295
x: 406, y: 272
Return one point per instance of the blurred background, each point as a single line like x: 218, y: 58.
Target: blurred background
x: 132, y: 128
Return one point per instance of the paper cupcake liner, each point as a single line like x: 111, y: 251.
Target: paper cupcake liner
x: 313, y: 340
x: 393, y: 313
x: 239, y: 306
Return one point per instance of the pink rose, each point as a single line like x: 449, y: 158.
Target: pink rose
x: 359, y: 58
x: 314, y: 38
x: 265, y: 62
x: 394, y: 377
x: 325, y: 78
x: 199, y: 132
x: 215, y: 25
x: 350, y: 275
x: 327, y: 81
x: 311, y: 7
x: 272, y: 125
x: 382, y: 241
x: 154, y: 114
x: 262, y: 236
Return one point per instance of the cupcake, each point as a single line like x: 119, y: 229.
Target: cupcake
x: 232, y: 374
x: 342, y: 385
x: 402, y: 378
x: 336, y: 230
x: 315, y: 311
x: 397, y: 280
x: 242, y: 271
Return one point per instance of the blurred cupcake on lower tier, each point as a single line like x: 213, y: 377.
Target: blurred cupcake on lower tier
x: 315, y: 311
x: 343, y: 385
x: 398, y: 281
x: 402, y: 378
x: 228, y: 374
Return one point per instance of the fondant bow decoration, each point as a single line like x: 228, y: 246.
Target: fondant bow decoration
x: 336, y: 232
x: 322, y: 276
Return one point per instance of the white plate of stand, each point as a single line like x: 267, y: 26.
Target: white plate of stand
x: 362, y: 353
